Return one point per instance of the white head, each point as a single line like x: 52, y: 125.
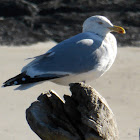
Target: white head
x: 100, y: 25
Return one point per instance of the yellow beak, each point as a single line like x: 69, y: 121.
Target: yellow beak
x: 117, y: 29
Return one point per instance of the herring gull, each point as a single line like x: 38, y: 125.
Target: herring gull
x: 83, y: 57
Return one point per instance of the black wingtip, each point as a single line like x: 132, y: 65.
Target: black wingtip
x: 5, y: 85
x: 2, y: 86
x: 13, y: 81
x: 26, y: 79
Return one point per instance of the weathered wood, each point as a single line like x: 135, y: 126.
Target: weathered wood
x: 85, y: 115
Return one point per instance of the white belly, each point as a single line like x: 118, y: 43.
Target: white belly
x: 87, y: 76
x: 98, y: 71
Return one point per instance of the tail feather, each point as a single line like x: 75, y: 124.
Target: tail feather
x: 25, y: 79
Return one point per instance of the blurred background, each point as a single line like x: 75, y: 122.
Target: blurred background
x: 24, y: 22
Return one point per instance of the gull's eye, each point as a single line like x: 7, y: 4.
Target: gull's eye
x: 100, y: 22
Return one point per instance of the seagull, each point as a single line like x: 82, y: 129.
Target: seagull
x: 83, y: 57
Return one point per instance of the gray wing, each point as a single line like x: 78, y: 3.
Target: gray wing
x: 78, y: 54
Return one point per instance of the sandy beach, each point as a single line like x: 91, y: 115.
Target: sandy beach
x: 120, y: 86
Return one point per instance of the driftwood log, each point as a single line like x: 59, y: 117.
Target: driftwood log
x: 85, y: 115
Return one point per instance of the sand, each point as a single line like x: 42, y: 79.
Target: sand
x: 120, y: 86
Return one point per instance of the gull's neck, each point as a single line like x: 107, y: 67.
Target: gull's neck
x: 102, y: 33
